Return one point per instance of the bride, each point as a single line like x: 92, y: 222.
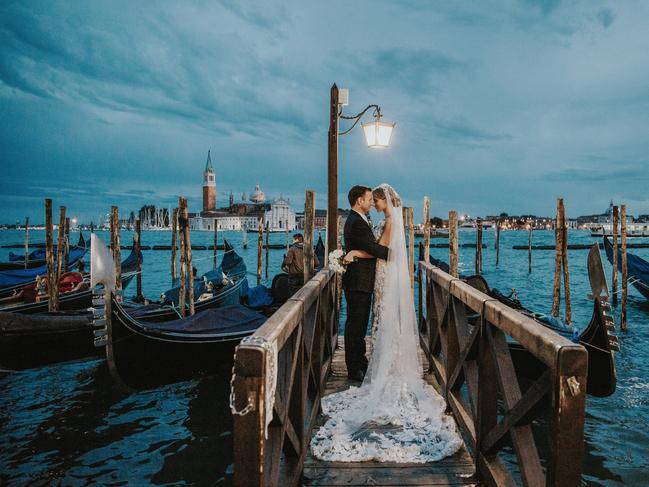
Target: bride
x: 394, y: 416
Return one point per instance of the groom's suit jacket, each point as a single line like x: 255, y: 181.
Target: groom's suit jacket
x: 359, y: 275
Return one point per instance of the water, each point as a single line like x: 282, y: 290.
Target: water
x: 70, y: 424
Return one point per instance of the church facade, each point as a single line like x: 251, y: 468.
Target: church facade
x: 245, y: 214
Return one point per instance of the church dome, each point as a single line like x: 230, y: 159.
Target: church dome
x: 258, y: 195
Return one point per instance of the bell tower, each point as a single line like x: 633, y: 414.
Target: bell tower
x: 209, y: 186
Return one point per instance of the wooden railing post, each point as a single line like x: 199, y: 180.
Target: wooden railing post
x: 567, y: 426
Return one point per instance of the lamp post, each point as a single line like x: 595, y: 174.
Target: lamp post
x: 377, y: 136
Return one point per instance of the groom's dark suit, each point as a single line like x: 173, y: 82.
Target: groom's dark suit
x: 358, y: 283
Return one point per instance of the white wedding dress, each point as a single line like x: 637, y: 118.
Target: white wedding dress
x: 394, y: 416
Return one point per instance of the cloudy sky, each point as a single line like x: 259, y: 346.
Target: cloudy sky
x: 499, y: 105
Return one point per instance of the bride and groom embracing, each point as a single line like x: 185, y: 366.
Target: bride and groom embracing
x: 394, y: 415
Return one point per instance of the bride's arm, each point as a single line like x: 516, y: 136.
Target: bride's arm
x: 384, y: 241
x: 387, y: 232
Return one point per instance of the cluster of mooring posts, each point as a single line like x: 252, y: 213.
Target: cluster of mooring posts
x: 463, y: 337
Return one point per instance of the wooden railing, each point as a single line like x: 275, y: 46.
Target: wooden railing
x: 304, y: 331
x: 464, y: 335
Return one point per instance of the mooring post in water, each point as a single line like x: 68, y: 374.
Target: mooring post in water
x: 478, y: 246
x: 52, y: 289
x: 287, y: 242
x: 117, y: 256
x: 60, y: 252
x: 138, y: 261
x: 174, y: 233
x: 92, y: 227
x: 497, y: 244
x: 267, y: 248
x: 426, y: 229
x: 67, y: 244
x: 625, y: 270
x: 529, y: 249
x: 182, y: 270
x: 558, y: 249
x: 615, y: 264
x: 187, y: 243
x: 566, y: 268
x: 309, y: 224
x: 260, y: 244
x: 216, y: 241
x: 411, y: 246
x: 26, y: 242
x: 452, y: 242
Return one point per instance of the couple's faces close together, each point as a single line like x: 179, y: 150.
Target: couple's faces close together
x: 368, y: 200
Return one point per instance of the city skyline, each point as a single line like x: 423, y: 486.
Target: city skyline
x: 499, y: 105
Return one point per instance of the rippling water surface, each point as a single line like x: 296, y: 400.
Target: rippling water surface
x: 71, y: 424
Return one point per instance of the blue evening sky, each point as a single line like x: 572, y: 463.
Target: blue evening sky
x: 499, y: 105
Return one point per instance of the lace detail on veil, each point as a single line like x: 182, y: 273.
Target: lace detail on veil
x: 394, y: 415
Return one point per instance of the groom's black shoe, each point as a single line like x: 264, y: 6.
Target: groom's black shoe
x: 356, y: 375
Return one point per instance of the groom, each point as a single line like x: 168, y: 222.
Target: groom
x: 358, y: 280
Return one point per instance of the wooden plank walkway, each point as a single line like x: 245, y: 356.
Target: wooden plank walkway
x: 456, y: 470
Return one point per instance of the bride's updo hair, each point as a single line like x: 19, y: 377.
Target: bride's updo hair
x: 379, y: 193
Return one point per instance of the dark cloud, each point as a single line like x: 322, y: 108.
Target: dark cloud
x: 606, y: 17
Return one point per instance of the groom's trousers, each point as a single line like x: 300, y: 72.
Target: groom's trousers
x: 358, y: 315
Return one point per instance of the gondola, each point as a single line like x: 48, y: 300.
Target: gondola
x: 638, y: 268
x: 596, y: 337
x: 71, y: 301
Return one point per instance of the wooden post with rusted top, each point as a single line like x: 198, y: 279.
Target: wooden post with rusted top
x: 566, y: 268
x: 60, y: 245
x: 453, y: 242
x: 426, y: 229
x: 174, y: 233
x: 187, y: 244
x: 332, y: 170
x: 309, y: 224
x: 260, y: 244
x: 411, y: 246
x: 66, y: 246
x: 117, y: 255
x: 52, y: 288
x: 625, y: 270
x: 138, y: 262
x: 615, y: 264
x: 26, y: 242
x: 558, y: 259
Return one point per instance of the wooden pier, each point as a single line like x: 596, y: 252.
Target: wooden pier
x: 463, y: 335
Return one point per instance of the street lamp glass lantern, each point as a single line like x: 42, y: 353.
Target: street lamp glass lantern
x: 378, y: 134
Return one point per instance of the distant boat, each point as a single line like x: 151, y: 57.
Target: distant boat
x: 638, y: 268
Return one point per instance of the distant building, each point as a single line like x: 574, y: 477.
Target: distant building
x: 209, y: 186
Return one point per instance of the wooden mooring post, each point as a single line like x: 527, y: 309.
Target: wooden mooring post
x: 267, y: 249
x: 26, y: 242
x: 174, y: 233
x: 453, y: 242
x: 138, y: 262
x: 182, y: 270
x: 497, y: 243
x: 615, y: 264
x: 260, y: 244
x: 478, y: 247
x: 625, y: 270
x: 52, y: 288
x: 115, y: 247
x: 60, y: 246
x: 216, y: 241
x: 66, y: 247
x: 566, y: 268
x: 411, y: 245
x: 426, y: 229
x: 558, y: 259
x: 309, y: 225
x: 529, y: 250
x: 187, y: 244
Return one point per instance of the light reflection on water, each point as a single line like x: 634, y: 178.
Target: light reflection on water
x: 71, y: 424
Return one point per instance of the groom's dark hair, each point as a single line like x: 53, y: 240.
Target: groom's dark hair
x: 356, y: 192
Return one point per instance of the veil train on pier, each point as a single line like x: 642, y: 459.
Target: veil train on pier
x: 394, y: 416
